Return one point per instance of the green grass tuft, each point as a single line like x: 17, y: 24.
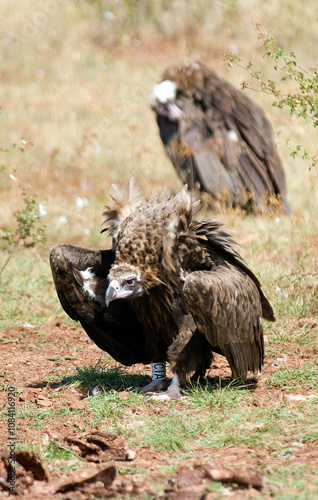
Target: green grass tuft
x: 108, y: 378
x: 303, y: 378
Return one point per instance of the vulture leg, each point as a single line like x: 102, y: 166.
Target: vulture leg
x: 190, y: 352
x: 159, y: 379
x: 194, y: 355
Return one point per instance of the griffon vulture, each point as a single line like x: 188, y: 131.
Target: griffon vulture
x: 217, y: 138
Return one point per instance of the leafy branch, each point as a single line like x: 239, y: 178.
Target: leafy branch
x: 301, y: 100
x: 29, y: 231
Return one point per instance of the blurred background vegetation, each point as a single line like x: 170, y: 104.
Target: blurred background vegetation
x: 75, y: 77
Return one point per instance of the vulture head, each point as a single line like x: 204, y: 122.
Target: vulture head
x: 162, y: 100
x: 125, y: 282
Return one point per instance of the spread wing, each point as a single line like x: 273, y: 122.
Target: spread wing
x: 226, y: 307
x: 81, y: 278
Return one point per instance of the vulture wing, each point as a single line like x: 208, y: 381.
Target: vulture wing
x: 81, y: 278
x: 201, y: 157
x: 243, y: 122
x: 227, y: 302
x: 226, y: 308
x: 222, y: 248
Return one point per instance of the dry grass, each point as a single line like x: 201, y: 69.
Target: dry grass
x: 75, y: 115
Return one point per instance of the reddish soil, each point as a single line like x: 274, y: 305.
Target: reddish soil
x: 34, y: 357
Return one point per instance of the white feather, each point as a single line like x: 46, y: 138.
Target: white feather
x: 87, y: 276
x: 172, y: 226
x: 233, y: 136
x: 165, y: 91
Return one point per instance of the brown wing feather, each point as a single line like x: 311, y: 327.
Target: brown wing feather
x: 115, y: 330
x: 224, y: 298
x: 227, y: 300
x: 248, y: 120
x: 220, y: 245
x: 226, y: 307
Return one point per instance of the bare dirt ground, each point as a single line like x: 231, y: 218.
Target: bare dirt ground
x: 34, y: 356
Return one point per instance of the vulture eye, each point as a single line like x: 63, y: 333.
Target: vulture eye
x: 130, y: 281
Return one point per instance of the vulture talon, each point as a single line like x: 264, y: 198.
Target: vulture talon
x: 171, y: 394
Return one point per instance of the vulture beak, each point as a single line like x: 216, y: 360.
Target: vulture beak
x: 114, y: 291
x: 174, y: 112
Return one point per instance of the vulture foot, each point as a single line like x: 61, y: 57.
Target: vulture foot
x: 173, y: 392
x: 155, y: 386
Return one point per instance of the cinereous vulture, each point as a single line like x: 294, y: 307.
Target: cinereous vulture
x: 174, y: 288
x: 218, y: 139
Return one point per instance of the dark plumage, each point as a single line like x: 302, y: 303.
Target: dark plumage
x: 80, y: 277
x: 218, y: 138
x: 189, y: 288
